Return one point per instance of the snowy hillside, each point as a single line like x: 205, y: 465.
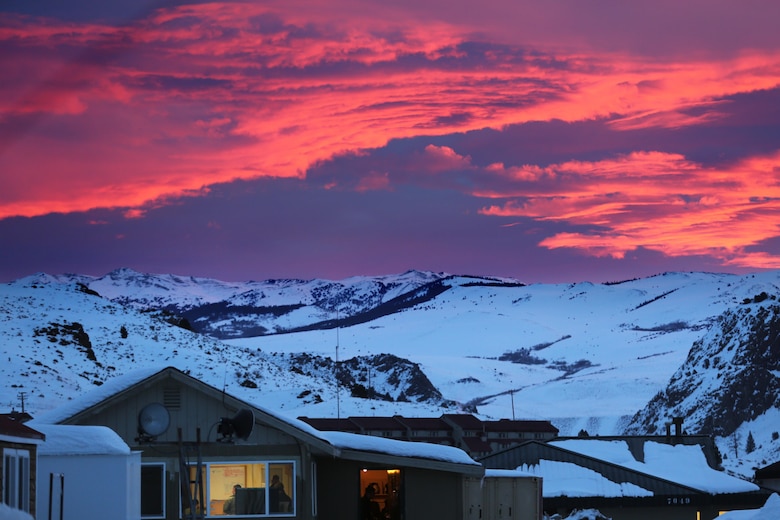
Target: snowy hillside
x: 729, y: 386
x: 584, y: 356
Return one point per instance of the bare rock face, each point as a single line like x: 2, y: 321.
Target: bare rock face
x: 729, y: 377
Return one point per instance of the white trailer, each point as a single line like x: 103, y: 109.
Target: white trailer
x: 503, y: 495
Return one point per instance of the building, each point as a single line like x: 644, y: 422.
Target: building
x: 19, y: 445
x: 197, y: 442
x: 769, y: 476
x: 636, y: 478
x: 476, y: 437
x: 87, y: 473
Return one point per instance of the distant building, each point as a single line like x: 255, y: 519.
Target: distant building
x: 769, y: 476
x: 632, y: 478
x: 474, y: 436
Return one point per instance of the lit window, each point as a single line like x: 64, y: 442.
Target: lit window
x: 16, y: 479
x: 246, y: 489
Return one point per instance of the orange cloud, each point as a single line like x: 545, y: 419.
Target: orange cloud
x: 201, y: 94
x: 661, y: 202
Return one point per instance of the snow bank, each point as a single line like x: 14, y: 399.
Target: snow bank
x: 564, y: 479
x: 770, y: 511
x: 9, y: 513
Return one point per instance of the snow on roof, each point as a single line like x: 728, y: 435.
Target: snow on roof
x: 98, y: 394
x: 565, y: 479
x: 770, y: 511
x: 507, y: 473
x: 375, y: 444
x: 80, y: 440
x: 683, y: 464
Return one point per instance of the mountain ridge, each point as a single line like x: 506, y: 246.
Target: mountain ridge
x: 586, y: 356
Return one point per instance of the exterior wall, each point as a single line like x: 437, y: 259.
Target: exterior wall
x: 96, y: 486
x: 503, y: 498
x: 770, y: 483
x: 508, y: 498
x: 227, y: 453
x: 190, y: 410
x: 196, y: 409
x: 425, y: 494
x: 429, y: 494
x: 33, y: 450
x: 338, y: 493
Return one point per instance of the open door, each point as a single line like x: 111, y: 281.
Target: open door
x: 381, y: 495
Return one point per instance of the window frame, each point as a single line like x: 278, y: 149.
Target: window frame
x: 163, y: 491
x: 267, y: 463
x: 16, y: 478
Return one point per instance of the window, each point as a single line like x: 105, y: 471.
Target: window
x: 16, y: 478
x: 248, y: 488
x: 153, y: 490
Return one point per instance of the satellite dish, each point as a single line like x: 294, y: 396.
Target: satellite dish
x: 240, y: 425
x: 153, y: 420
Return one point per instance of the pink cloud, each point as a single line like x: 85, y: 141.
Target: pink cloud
x: 661, y: 202
x: 208, y: 93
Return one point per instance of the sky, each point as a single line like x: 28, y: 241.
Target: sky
x: 546, y: 141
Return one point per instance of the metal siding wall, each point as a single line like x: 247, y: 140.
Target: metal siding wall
x: 197, y: 410
x: 432, y: 494
x: 338, y: 496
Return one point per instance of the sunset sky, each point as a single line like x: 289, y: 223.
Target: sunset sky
x: 550, y: 141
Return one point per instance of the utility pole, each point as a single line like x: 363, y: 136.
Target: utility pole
x: 338, y: 390
x: 512, y: 395
x: 21, y: 399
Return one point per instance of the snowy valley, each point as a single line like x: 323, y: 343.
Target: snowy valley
x: 614, y: 358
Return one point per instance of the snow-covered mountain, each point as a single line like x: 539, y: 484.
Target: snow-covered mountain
x: 606, y: 358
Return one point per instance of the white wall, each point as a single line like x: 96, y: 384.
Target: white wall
x: 97, y: 487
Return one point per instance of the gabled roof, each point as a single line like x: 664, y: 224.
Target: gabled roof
x: 336, y: 444
x: 11, y: 429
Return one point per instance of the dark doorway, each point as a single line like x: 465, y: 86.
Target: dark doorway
x: 381, y: 494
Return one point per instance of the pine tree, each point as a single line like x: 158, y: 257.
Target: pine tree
x: 750, y: 445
